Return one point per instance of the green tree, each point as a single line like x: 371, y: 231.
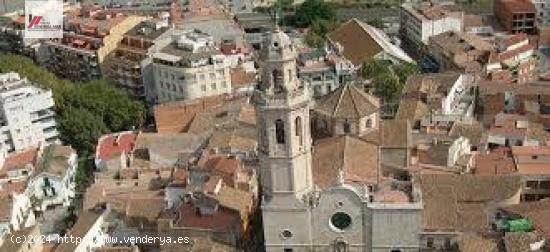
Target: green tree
x: 386, y: 78
x: 404, y: 70
x: 284, y: 5
x: 314, y: 40
x: 314, y: 10
x: 81, y: 129
x: 387, y: 86
x: 377, y: 22
x: 85, y: 111
x: 374, y: 67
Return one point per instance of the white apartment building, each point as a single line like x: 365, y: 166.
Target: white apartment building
x: 420, y: 21
x: 543, y: 11
x: 189, y: 67
x: 28, y: 117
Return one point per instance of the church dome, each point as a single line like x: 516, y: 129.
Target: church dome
x: 348, y: 102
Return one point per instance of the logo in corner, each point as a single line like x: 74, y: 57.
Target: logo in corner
x: 34, y: 20
x: 44, y: 19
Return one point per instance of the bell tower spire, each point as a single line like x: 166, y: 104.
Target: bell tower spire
x: 282, y: 105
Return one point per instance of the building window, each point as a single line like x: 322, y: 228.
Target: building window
x: 47, y: 182
x: 213, y: 86
x: 430, y: 242
x: 347, y: 128
x: 224, y: 84
x: 369, y: 123
x: 286, y: 234
x: 280, y: 131
x: 340, y: 221
x: 203, y: 88
x: 278, y: 81
x: 298, y: 125
x: 288, y: 250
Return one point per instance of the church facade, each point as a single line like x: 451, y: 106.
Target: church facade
x: 327, y: 205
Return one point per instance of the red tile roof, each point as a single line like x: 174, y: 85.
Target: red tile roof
x: 518, y: 6
x: 514, y: 39
x: 116, y: 143
x: 240, y: 77
x: 176, y: 117
x: 530, y: 150
x: 223, y: 220
x: 12, y: 187
x: 19, y: 159
x: 220, y: 163
x: 495, y: 163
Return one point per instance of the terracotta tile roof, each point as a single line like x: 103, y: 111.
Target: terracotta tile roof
x: 12, y: 187
x: 473, y: 131
x: 241, y: 78
x: 448, y: 199
x: 412, y: 110
x: 236, y: 140
x: 238, y: 200
x: 391, y: 196
x: 54, y: 159
x: 18, y: 160
x: 348, y: 102
x: 222, y: 220
x: 358, y: 44
x: 519, y: 242
x: 474, y: 242
x: 116, y: 143
x: 496, y: 162
x: 514, y: 39
x: 534, y: 169
x: 537, y: 211
x: 357, y: 159
x: 395, y: 133
x: 518, y: 6
x: 175, y: 117
x: 145, y: 207
x: 227, y: 167
x: 530, y: 150
x: 513, y: 53
x: 433, y: 84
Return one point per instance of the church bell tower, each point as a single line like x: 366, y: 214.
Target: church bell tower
x: 282, y: 107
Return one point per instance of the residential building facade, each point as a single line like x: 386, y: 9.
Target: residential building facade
x: 27, y: 113
x: 124, y: 64
x: 543, y: 11
x: 88, y: 37
x: 189, y: 67
x: 420, y: 21
x: 517, y: 16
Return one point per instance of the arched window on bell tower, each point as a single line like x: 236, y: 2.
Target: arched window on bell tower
x: 347, y: 128
x: 278, y: 80
x: 299, y: 129
x: 280, y: 131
